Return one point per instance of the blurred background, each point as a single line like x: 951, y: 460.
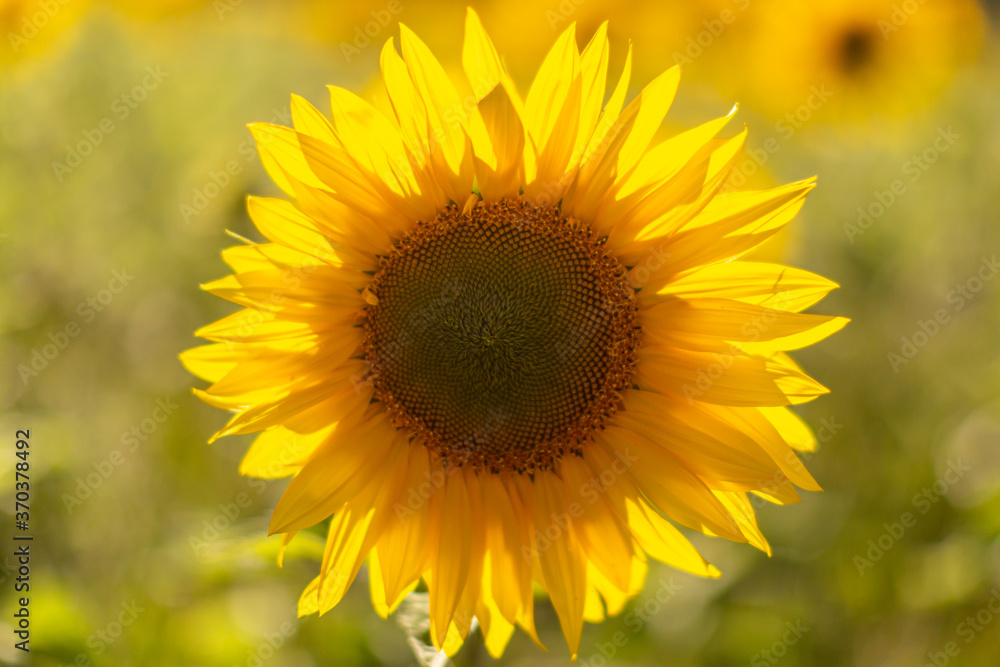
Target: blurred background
x: 124, y: 157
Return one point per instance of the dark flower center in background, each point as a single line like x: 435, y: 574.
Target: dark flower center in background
x: 856, y: 49
x: 503, y: 337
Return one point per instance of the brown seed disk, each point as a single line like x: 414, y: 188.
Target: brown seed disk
x: 502, y: 337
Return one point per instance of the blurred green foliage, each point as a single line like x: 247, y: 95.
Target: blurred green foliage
x: 149, y: 547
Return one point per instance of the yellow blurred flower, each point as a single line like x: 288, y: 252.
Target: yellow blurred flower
x: 851, y: 59
x: 690, y: 34
x: 505, y: 341
x: 31, y: 26
x: 158, y: 9
x: 661, y: 32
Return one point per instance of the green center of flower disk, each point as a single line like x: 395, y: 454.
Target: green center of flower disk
x: 503, y: 337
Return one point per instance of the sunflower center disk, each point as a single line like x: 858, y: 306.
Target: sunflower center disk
x: 857, y: 48
x: 503, y: 337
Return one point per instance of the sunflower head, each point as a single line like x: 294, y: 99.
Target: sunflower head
x: 502, y: 342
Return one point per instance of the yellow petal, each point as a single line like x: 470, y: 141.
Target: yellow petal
x: 521, y: 500
x: 448, y: 526
x: 480, y: 59
x: 343, y: 224
x: 668, y: 484
x: 731, y: 378
x: 729, y: 226
x: 762, y: 284
x: 796, y: 341
x: 475, y: 536
x: 625, y: 143
x: 401, y: 546
x: 614, y: 597
x: 343, y: 402
x: 719, y: 453
x: 755, y: 425
x: 608, y: 121
x: 550, y: 92
x: 297, y: 362
x: 377, y: 587
x: 659, y: 165
x: 453, y: 641
x: 243, y: 258
x: 307, y: 119
x: 496, y: 629
x: 791, y: 427
x: 640, y: 125
x: 211, y: 362
x: 282, y: 156
x: 504, y: 544
x: 335, y: 473
x: 661, y: 540
x: 593, y: 79
x: 446, y: 117
x: 607, y: 543
x: 278, y: 452
x: 742, y: 510
x: 335, y: 167
x: 672, y: 174
x: 281, y: 222
x: 506, y: 134
x: 559, y: 556
x: 377, y: 147
x: 681, y: 199
x: 593, y: 609
x: 356, y: 529
x: 337, y: 393
x: 309, y: 600
x: 411, y: 114
x: 343, y: 555
x: 699, y: 320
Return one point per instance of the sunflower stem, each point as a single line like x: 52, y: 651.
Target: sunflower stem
x: 414, y: 618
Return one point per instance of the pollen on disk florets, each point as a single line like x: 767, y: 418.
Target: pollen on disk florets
x: 502, y: 336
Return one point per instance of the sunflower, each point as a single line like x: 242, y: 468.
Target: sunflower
x: 500, y: 341
x: 852, y: 59
x: 32, y: 27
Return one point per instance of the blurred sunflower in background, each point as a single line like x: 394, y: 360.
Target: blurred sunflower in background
x: 30, y: 27
x: 503, y: 341
x: 153, y: 10
x: 850, y: 60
